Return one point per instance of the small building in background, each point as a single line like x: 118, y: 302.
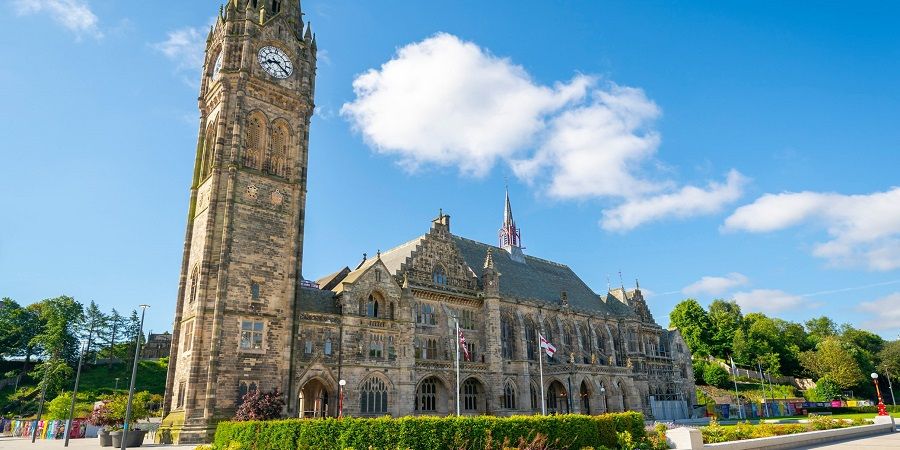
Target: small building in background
x: 157, y: 346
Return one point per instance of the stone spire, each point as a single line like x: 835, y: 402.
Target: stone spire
x: 509, y: 235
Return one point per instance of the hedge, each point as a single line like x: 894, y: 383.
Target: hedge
x: 569, y: 431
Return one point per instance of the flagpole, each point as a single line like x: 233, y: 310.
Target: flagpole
x: 736, y: 396
x: 457, y: 365
x: 541, y: 366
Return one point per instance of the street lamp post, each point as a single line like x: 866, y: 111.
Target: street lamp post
x: 117, y: 384
x: 881, y: 409
x: 605, y: 400
x: 341, y: 399
x: 137, y: 349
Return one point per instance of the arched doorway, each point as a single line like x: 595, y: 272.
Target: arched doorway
x: 431, y: 397
x: 557, y: 398
x: 315, y: 401
x: 585, y: 396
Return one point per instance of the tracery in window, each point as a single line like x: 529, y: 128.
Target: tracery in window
x: 373, y: 396
x: 425, y: 314
x: 276, y: 163
x: 373, y: 306
x: 426, y: 395
x: 509, y: 396
x: 470, y: 395
x: 254, y: 141
x: 507, y: 338
x: 209, y: 150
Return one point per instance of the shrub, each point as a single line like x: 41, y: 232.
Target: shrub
x: 423, y: 432
x: 260, y: 406
x: 715, y: 375
x: 58, y: 408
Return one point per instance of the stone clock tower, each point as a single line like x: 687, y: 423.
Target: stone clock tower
x: 243, y: 248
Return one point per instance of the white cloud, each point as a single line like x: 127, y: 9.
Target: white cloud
x: 864, y: 229
x: 186, y: 47
x: 716, y: 285
x: 447, y: 102
x: 74, y: 15
x: 687, y: 202
x: 887, y: 311
x: 768, y: 300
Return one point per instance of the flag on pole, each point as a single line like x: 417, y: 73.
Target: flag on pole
x: 547, y: 346
x: 462, y: 343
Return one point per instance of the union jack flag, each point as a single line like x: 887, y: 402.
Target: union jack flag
x: 462, y: 343
x: 547, y: 346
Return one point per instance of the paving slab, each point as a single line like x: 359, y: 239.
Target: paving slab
x: 879, y: 442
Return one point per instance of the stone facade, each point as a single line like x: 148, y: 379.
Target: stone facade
x: 246, y: 320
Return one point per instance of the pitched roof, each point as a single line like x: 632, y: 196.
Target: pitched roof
x: 537, y: 279
x: 318, y: 300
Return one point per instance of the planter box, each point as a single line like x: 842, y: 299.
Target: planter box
x: 134, y: 439
x: 105, y: 438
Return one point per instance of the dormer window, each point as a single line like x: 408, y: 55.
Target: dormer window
x: 438, y: 275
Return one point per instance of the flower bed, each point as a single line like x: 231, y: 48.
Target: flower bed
x: 715, y: 433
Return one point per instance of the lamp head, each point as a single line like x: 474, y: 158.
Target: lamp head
x: 342, y: 382
x: 874, y: 375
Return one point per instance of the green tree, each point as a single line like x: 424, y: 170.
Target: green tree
x: 17, y: 328
x: 889, y: 358
x: 113, y: 335
x: 58, y: 408
x: 60, y: 319
x: 820, y: 328
x: 832, y: 359
x: 94, y: 324
x: 826, y: 390
x: 715, y: 375
x: 726, y: 320
x: 692, y: 321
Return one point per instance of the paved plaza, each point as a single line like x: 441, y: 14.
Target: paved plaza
x: 883, y: 441
x: 8, y: 443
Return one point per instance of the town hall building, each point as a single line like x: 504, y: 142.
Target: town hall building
x: 246, y: 319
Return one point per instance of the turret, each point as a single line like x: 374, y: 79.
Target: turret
x: 490, y: 278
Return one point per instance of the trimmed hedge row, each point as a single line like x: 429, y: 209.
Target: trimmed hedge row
x: 569, y: 431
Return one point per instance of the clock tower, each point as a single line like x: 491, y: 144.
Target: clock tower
x: 243, y: 249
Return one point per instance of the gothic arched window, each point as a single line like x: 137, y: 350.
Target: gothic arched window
x: 195, y: 279
x: 530, y: 341
x: 209, y: 151
x: 535, y: 400
x: 585, y: 345
x: 372, y: 306
x: 470, y: 395
x: 373, y: 397
x: 509, y: 396
x: 507, y: 341
x: 255, y: 141
x: 276, y: 163
x: 439, y: 276
x: 426, y: 396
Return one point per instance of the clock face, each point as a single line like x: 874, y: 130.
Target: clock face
x: 275, y: 62
x: 217, y: 67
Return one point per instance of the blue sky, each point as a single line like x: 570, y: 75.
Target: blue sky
x: 743, y: 150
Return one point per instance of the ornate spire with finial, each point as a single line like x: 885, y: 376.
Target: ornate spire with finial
x: 509, y: 235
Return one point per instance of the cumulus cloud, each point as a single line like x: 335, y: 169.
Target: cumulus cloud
x: 768, y: 300
x: 686, y: 202
x: 863, y: 229
x: 185, y: 47
x: 887, y: 311
x: 710, y: 285
x: 74, y: 15
x: 447, y: 102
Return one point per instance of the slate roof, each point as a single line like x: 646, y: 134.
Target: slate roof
x: 534, y: 280
x: 318, y: 301
x: 537, y: 279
